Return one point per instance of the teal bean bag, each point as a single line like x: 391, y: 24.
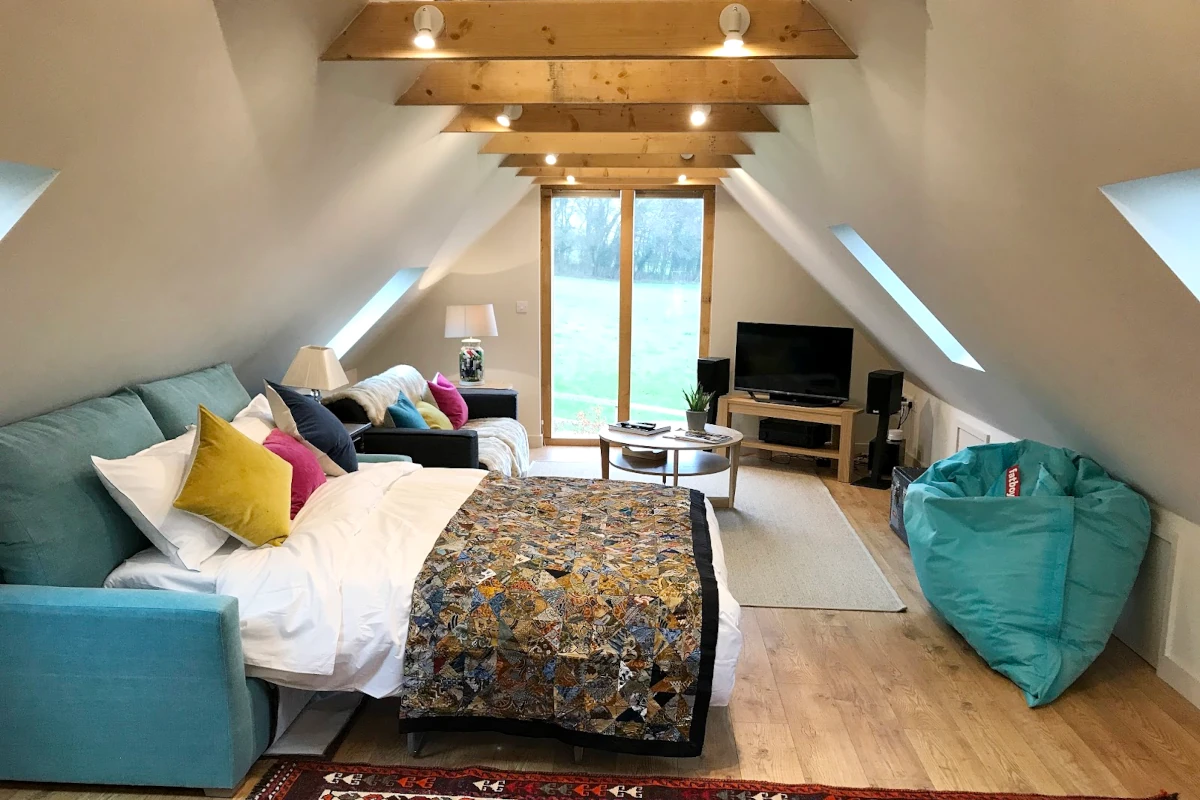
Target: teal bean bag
x: 1032, y: 566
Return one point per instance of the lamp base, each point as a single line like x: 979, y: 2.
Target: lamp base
x: 470, y: 363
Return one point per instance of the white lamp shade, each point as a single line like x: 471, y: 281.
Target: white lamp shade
x: 316, y: 368
x: 470, y: 322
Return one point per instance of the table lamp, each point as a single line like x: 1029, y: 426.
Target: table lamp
x: 469, y: 323
x: 316, y: 369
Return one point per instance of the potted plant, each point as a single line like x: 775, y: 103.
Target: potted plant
x: 697, y: 407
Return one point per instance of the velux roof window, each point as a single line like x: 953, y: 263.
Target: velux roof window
x: 1165, y: 210
x: 908, y: 301
x: 20, y: 187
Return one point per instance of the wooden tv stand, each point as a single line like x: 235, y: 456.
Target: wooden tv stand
x: 840, y: 417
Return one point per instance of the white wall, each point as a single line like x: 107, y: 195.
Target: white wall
x: 753, y: 279
x: 222, y: 194
x: 1161, y: 621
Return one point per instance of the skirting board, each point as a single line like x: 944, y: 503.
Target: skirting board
x: 1179, y: 679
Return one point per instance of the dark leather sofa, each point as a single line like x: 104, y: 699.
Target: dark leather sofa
x: 433, y: 448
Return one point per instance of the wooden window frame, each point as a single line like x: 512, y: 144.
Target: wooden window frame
x: 625, y: 311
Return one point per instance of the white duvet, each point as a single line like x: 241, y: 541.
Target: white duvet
x: 328, y: 610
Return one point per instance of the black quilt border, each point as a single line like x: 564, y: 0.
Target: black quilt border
x: 693, y: 747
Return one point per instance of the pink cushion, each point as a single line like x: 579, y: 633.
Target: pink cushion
x: 307, y: 474
x: 451, y: 403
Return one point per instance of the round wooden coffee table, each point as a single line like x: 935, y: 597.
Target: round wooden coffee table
x: 683, y: 458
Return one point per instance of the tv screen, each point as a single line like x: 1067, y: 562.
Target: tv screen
x: 800, y: 362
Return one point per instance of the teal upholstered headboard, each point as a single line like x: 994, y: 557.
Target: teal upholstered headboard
x: 172, y: 401
x: 58, y: 525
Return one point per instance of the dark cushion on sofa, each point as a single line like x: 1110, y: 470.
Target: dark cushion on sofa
x: 58, y: 525
x: 173, y: 401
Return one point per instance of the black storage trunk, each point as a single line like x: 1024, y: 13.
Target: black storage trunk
x: 901, y: 478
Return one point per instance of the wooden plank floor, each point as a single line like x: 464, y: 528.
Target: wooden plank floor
x: 863, y: 699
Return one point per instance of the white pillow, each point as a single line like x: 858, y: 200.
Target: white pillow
x: 146, y: 484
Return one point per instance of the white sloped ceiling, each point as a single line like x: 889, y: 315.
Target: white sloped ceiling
x: 222, y: 194
x: 967, y: 145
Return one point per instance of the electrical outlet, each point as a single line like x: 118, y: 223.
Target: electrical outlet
x: 522, y: 306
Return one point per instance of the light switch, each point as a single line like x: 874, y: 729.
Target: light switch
x: 522, y: 306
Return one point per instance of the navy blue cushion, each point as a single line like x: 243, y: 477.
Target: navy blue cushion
x: 405, y: 415
x: 316, y: 426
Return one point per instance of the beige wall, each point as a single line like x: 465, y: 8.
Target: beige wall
x: 753, y: 279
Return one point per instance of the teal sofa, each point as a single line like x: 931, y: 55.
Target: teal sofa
x: 101, y: 685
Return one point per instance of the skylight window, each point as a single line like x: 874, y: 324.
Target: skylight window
x: 1165, y: 211
x: 908, y: 301
x: 374, y: 310
x: 20, y: 187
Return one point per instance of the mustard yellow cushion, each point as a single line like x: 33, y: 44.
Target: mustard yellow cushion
x: 237, y: 484
x: 433, y: 416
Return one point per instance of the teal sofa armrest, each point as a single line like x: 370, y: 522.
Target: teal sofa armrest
x: 381, y: 458
x: 126, y: 686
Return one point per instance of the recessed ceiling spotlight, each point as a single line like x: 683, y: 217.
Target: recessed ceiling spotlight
x: 570, y: 179
x: 683, y: 178
x: 686, y: 156
x: 508, y: 115
x: 429, y: 21
x: 551, y: 159
x: 700, y: 115
x: 734, y: 21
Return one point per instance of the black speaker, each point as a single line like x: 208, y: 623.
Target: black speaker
x: 885, y: 393
x: 713, y: 376
x: 885, y: 390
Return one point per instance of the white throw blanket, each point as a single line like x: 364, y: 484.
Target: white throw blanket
x: 378, y: 392
x: 503, y: 445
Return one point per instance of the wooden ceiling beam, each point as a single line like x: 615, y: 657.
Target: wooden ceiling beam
x: 626, y: 183
x: 569, y: 29
x: 661, y: 160
x: 615, y: 118
x: 458, y: 83
x: 616, y: 172
x: 712, y: 143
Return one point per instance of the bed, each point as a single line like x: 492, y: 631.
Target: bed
x: 332, y: 609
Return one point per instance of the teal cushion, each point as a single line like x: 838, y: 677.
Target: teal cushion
x: 381, y: 458
x: 58, y: 525
x: 405, y: 415
x: 173, y: 401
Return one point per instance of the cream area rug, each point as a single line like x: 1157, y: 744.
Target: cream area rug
x: 787, y: 544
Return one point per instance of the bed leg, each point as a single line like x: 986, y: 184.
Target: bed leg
x: 578, y: 752
x: 415, y: 742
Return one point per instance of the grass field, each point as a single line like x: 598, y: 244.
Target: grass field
x: 666, y: 322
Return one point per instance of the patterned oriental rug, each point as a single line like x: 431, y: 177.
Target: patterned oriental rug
x: 296, y: 780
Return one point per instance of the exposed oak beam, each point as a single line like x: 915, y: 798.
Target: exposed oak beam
x: 567, y: 29
x: 457, y: 83
x: 635, y: 172
x: 615, y: 118
x: 714, y: 143
x: 662, y: 160
x: 626, y: 183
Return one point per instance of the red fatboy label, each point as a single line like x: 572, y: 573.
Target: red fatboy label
x: 1012, y: 482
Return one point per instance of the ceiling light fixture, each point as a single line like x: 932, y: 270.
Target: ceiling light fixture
x: 428, y: 21
x: 551, y: 159
x: 686, y: 156
x: 683, y: 178
x: 700, y: 115
x: 734, y: 21
x: 570, y: 179
x: 508, y: 115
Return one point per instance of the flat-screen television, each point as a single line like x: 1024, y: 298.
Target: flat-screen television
x: 798, y: 363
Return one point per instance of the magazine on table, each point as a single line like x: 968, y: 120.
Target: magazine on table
x: 639, y: 428
x: 701, y: 438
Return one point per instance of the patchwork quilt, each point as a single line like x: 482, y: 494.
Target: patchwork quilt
x: 580, y: 609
